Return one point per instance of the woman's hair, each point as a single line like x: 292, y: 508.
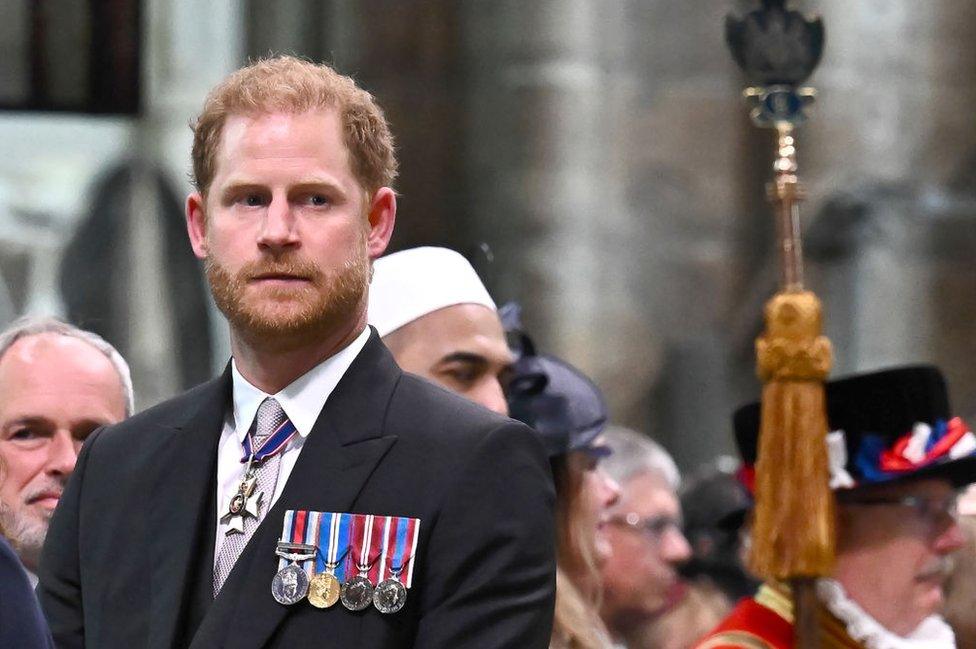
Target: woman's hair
x: 577, y: 624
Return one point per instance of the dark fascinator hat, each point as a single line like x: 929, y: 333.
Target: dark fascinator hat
x: 888, y: 426
x: 554, y: 398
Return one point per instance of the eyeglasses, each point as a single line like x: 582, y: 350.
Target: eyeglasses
x: 934, y: 511
x: 652, y: 527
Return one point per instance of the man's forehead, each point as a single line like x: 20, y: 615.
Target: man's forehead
x: 50, y: 347
x: 259, y: 130
x: 929, y: 487
x: 649, y: 492
x: 463, y: 327
x: 52, y: 367
x: 305, y: 147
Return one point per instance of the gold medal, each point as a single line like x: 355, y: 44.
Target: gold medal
x: 323, y: 590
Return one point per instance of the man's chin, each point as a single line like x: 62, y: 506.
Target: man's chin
x: 931, y: 596
x: 26, y: 534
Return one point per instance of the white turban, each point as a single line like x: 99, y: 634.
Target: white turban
x: 412, y: 283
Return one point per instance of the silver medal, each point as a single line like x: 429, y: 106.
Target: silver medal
x: 357, y: 593
x: 390, y: 596
x: 290, y: 585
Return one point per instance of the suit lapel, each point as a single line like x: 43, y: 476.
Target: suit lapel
x: 336, y: 461
x: 177, y: 525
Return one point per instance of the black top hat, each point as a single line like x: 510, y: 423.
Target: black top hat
x: 888, y: 426
x: 558, y: 401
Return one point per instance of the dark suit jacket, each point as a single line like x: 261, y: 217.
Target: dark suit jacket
x: 128, y: 559
x: 21, y: 622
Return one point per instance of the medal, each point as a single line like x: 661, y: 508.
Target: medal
x: 390, y: 595
x: 323, y: 590
x: 399, y: 545
x: 359, y: 559
x: 357, y: 592
x: 247, y: 501
x: 325, y: 587
x: 290, y: 585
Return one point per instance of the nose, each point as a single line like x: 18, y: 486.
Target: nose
x: 950, y: 540
x: 489, y: 394
x: 278, y: 230
x: 62, y: 454
x: 610, y: 490
x: 674, y: 546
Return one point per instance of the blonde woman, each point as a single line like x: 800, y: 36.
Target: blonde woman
x: 568, y: 412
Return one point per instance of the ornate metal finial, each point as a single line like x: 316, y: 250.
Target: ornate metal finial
x: 793, y: 530
x: 777, y: 49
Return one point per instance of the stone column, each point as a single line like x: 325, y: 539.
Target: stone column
x: 601, y: 141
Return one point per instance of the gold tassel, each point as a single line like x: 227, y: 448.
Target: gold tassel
x: 793, y: 523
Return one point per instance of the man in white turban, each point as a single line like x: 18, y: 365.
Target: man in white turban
x: 435, y: 315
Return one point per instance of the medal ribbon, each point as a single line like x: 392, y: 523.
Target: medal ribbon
x: 399, y: 545
x: 377, y: 532
x: 366, y: 545
x: 299, y: 526
x: 272, y: 444
x: 335, y: 528
x: 387, y: 544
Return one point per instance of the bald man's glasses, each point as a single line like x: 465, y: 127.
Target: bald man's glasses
x: 653, y: 528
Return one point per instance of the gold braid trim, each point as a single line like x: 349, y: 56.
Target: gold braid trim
x: 776, y: 598
x: 735, y: 639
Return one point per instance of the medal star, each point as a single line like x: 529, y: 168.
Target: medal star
x: 253, y: 504
x: 235, y: 525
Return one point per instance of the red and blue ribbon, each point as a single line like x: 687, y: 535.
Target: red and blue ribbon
x: 273, y: 443
x: 878, y: 462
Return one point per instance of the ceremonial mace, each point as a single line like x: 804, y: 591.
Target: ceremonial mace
x: 793, y: 522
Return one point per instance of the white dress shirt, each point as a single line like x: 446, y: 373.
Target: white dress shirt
x: 302, y: 400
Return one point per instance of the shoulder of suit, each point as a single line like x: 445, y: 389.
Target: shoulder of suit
x: 171, y: 413
x: 418, y: 393
x: 419, y: 407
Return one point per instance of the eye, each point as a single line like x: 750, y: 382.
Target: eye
x: 464, y: 374
x: 318, y: 200
x: 26, y: 437
x: 253, y: 200
x: 23, y: 434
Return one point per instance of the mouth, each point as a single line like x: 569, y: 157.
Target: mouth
x: 279, y: 278
x: 937, y: 574
x: 934, y: 577
x: 47, y: 499
x: 676, y: 591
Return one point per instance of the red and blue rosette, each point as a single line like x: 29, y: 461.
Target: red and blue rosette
x: 923, y: 446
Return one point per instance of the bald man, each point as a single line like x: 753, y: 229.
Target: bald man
x: 57, y: 385
x: 438, y: 320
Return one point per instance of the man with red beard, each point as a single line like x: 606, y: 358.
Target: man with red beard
x: 314, y: 493
x: 58, y: 383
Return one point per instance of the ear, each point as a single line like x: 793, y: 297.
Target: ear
x: 382, y: 216
x: 196, y: 224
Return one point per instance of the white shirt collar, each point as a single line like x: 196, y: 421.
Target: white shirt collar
x: 302, y: 399
x: 932, y: 633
